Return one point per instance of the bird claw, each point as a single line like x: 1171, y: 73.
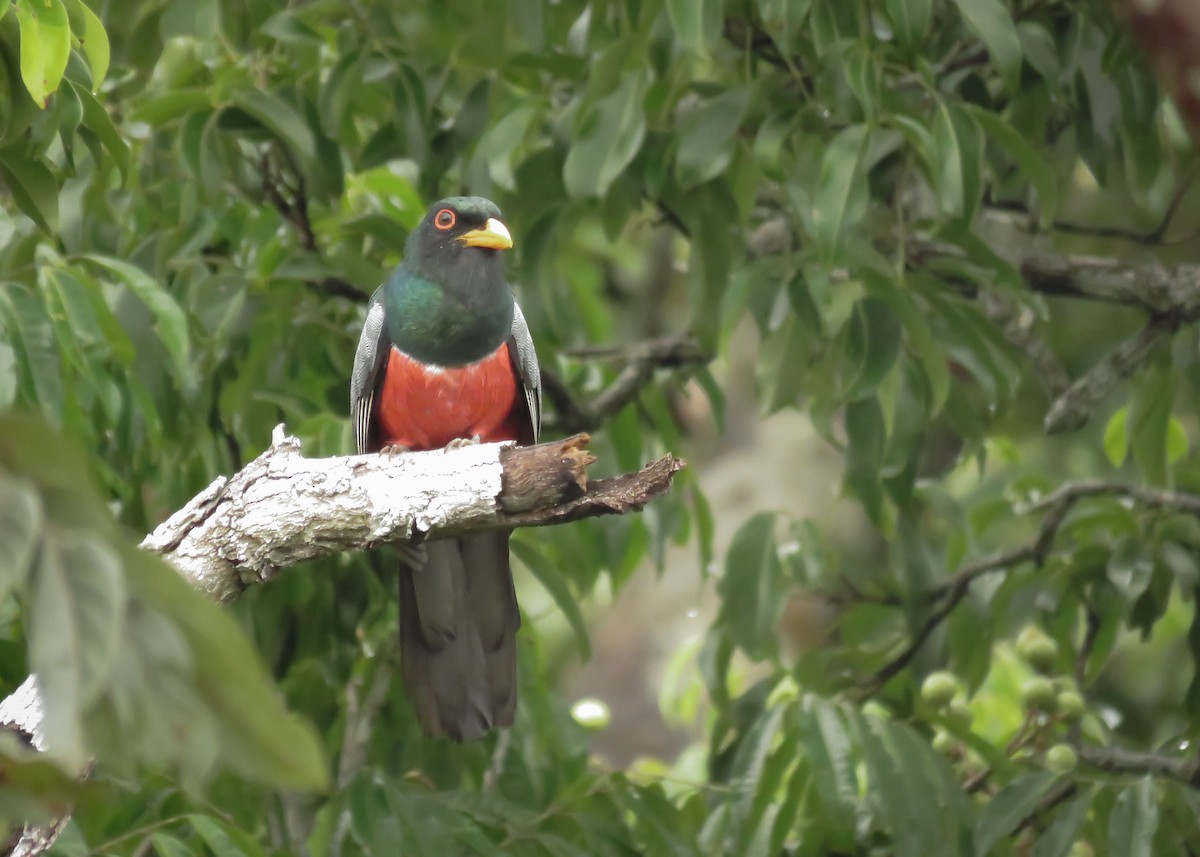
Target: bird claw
x: 460, y: 442
x: 394, y: 449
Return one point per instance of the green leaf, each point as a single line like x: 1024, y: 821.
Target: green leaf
x: 910, y: 19
x: 1011, y: 805
x: 872, y: 343
x: 97, y: 120
x: 1134, y: 820
x: 902, y: 799
x: 607, y: 138
x: 260, y: 739
x: 166, y: 845
x: 224, y: 840
x: 865, y: 441
x: 782, y: 364
x: 45, y: 45
x: 1116, y: 437
x: 863, y: 77
x: 958, y: 147
x: 32, y: 185
x: 1177, y: 441
x: 162, y: 109
x: 1130, y: 566
x: 1063, y: 831
x: 1040, y: 51
x: 24, y: 319
x: 751, y: 588
x: 93, y: 40
x: 554, y: 581
x: 696, y: 22
x: 992, y: 23
x: 829, y: 748
x: 9, y: 383
x: 170, y: 321
x: 707, y: 136
x: 757, y: 773
x: 840, y: 200
x: 499, y: 146
x: 280, y: 118
x: 78, y: 606
x: 1028, y: 159
x: 1151, y: 398
x: 20, y: 531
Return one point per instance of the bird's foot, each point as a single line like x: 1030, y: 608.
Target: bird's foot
x: 460, y: 442
x: 394, y: 449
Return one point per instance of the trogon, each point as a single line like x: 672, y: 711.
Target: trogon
x: 445, y: 357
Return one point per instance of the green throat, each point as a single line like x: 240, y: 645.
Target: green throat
x: 445, y: 326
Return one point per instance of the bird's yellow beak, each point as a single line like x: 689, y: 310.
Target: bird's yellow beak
x: 493, y: 235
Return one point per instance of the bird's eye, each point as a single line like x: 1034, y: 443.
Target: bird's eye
x: 444, y: 219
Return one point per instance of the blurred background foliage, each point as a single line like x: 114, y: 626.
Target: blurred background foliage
x: 863, y: 623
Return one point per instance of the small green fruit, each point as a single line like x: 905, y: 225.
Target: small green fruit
x: 1064, y: 682
x: 1036, y: 647
x: 1037, y: 694
x: 1069, y: 705
x: 945, y: 743
x: 959, y: 713
x: 1061, y: 759
x: 939, y: 688
x: 1081, y: 848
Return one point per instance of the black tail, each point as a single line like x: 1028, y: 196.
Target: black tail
x: 458, y: 635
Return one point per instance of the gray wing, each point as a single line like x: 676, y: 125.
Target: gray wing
x: 369, y: 361
x: 524, y: 356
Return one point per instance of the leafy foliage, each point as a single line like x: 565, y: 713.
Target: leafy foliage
x: 861, y: 184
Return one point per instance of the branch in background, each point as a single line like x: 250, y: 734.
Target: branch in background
x: 641, y: 359
x: 1056, y: 506
x: 1017, y: 325
x: 1152, y: 287
x: 362, y: 711
x: 1155, y: 237
x: 1072, y: 409
x: 954, y: 589
x: 1069, y: 493
x: 290, y: 199
x: 1114, y: 760
x: 1171, y: 297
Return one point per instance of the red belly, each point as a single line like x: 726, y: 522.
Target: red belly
x: 420, y: 408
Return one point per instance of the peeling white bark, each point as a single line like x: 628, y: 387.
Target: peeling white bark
x: 21, y: 711
x: 282, y: 508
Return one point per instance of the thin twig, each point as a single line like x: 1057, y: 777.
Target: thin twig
x: 1114, y: 760
x: 1060, y: 794
x: 361, y: 713
x: 641, y: 359
x: 1072, y: 409
x: 1154, y: 498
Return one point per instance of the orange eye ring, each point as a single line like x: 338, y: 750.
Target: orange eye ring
x: 444, y: 219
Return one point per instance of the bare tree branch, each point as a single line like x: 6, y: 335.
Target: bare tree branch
x: 1114, y: 760
x: 951, y: 591
x: 1072, y: 409
x: 641, y: 360
x: 1157, y: 289
x: 1070, y: 493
